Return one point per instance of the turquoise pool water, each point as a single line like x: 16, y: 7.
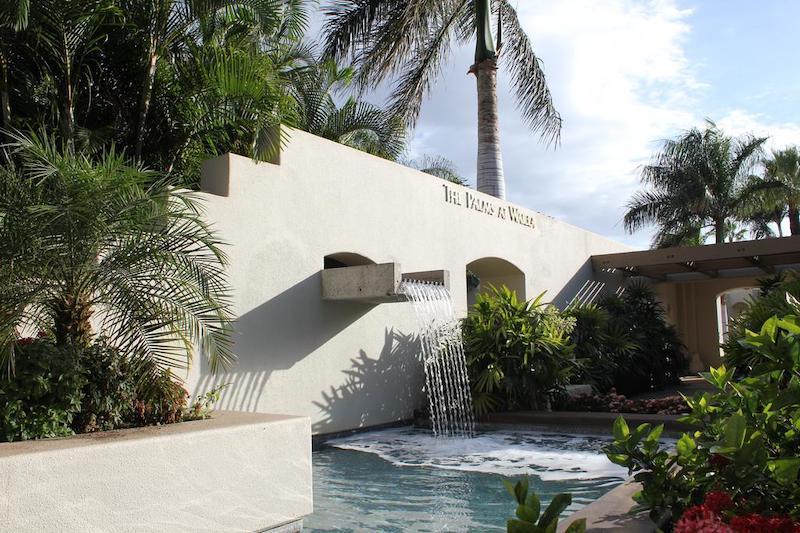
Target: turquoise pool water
x: 407, y: 480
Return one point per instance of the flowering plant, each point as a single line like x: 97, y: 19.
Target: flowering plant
x: 716, y: 515
x: 746, y: 439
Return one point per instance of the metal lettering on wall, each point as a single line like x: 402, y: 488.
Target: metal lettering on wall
x: 475, y: 202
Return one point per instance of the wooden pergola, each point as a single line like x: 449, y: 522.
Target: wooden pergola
x: 690, y: 263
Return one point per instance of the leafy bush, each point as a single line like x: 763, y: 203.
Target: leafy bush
x: 59, y: 391
x: 778, y: 297
x: 44, y: 396
x: 530, y: 519
x: 625, y: 342
x: 747, y: 438
x: 110, y: 390
x: 518, y: 354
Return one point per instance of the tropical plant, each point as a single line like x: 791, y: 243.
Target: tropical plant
x: 783, y: 175
x: 746, y: 438
x: 45, y: 395
x: 355, y: 123
x: 170, y: 82
x: 625, y: 342
x: 414, y: 38
x: 86, y: 237
x: 518, y: 354
x: 529, y: 515
x: 438, y: 166
x: 702, y: 179
x: 778, y: 296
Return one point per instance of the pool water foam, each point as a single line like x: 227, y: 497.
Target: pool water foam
x: 408, y: 480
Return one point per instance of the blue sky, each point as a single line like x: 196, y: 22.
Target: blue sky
x: 625, y: 74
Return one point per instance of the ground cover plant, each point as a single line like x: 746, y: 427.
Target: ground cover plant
x: 619, y: 403
x: 746, y: 444
x: 518, y: 352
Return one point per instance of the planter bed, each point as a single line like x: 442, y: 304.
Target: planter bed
x: 233, y: 472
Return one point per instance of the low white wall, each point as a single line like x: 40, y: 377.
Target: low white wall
x: 348, y: 365
x: 236, y: 472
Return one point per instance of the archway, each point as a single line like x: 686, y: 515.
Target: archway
x: 730, y: 304
x: 487, y: 271
x: 345, y: 259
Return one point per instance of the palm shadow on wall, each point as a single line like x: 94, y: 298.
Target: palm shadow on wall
x: 275, y: 336
x: 387, y: 387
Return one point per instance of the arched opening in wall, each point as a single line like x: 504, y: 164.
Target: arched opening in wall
x: 493, y: 271
x: 730, y: 304
x: 346, y: 259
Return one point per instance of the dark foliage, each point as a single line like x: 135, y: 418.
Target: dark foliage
x: 625, y: 342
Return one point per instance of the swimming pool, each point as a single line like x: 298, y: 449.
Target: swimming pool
x: 407, y: 480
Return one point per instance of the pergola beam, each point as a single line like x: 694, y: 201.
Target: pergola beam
x: 758, y: 263
x: 630, y: 272
x: 690, y: 266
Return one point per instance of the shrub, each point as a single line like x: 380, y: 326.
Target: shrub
x: 778, y: 297
x: 44, y: 396
x: 57, y: 391
x: 747, y: 438
x: 110, y: 390
x: 625, y: 342
x: 518, y: 355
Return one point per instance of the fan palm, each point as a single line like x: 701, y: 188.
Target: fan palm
x: 703, y: 179
x: 438, y: 166
x: 91, y: 239
x: 414, y: 38
x: 354, y: 123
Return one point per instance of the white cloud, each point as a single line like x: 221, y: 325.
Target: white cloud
x: 740, y: 122
x: 621, y: 81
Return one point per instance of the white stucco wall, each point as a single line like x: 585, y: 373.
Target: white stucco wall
x: 352, y: 365
x: 237, y: 472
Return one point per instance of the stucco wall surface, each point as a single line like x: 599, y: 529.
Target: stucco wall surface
x: 348, y: 365
x: 237, y: 472
x: 692, y: 307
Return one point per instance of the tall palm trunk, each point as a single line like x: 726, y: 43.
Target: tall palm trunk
x: 490, y: 161
x: 145, y: 96
x: 491, y: 179
x: 794, y: 219
x: 719, y: 230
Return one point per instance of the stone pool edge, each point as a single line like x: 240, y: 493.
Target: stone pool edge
x: 611, y: 513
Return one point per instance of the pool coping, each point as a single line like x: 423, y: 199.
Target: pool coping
x: 612, y: 513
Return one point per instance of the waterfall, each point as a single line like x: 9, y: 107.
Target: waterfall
x: 443, y: 356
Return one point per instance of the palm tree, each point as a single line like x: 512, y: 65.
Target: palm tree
x: 355, y: 123
x: 703, y: 179
x: 166, y: 26
x: 438, y: 166
x: 89, y: 238
x: 13, y: 18
x: 783, y: 175
x: 414, y: 38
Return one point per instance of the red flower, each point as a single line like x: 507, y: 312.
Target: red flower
x: 701, y: 519
x: 25, y: 341
x: 718, y: 502
x: 756, y: 523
